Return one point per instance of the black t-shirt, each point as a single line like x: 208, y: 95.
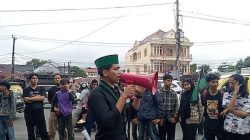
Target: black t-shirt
x: 51, y: 94
x: 29, y: 92
x: 213, y: 108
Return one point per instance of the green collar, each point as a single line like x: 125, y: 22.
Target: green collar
x: 111, y: 91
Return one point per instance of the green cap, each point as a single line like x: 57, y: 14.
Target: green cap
x: 105, y: 60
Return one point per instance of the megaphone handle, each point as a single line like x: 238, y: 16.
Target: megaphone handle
x: 125, y: 85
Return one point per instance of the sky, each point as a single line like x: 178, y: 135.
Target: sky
x: 80, y: 31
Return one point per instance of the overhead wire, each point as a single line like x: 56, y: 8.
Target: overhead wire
x: 83, y: 9
x: 215, y: 20
x: 95, y: 43
x: 77, y: 38
x: 217, y: 17
x: 122, y: 44
x: 72, y: 21
x: 5, y: 54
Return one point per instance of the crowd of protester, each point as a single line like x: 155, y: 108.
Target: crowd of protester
x: 225, y: 114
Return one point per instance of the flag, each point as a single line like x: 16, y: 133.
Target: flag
x: 201, y: 85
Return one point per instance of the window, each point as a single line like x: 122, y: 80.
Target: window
x: 170, y: 52
x: 137, y: 70
x: 139, y: 55
x: 170, y: 67
x: 145, y: 68
x: 145, y: 52
x: 157, y: 50
x: 134, y: 56
x: 158, y: 67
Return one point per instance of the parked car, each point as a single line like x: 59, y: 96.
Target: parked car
x: 224, y: 85
x: 18, y: 93
x: 176, y: 86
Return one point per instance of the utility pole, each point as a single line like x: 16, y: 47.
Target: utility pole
x: 63, y: 68
x: 13, y: 59
x: 177, y: 63
x: 69, y: 70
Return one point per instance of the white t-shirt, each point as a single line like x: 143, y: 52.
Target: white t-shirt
x: 82, y: 98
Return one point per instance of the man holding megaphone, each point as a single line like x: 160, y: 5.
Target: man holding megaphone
x: 107, y: 103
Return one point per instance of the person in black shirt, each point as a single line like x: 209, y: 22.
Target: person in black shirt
x: 212, y: 101
x: 106, y: 103
x: 188, y: 129
x: 33, y: 112
x: 52, y: 117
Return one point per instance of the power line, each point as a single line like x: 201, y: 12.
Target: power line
x: 44, y: 23
x: 98, y: 29
x: 66, y: 41
x: 5, y: 38
x: 122, y: 43
x: 84, y: 9
x: 5, y: 54
x: 71, y: 21
x: 217, y: 17
x: 216, y: 20
x: 207, y: 43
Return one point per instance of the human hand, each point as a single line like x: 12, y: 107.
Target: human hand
x: 10, y: 123
x: 224, y: 112
x: 56, y: 110
x: 139, y: 90
x: 135, y: 121
x: 173, y: 120
x: 84, y: 106
x: 27, y: 100
x: 129, y: 91
x: 156, y: 121
x: 236, y: 88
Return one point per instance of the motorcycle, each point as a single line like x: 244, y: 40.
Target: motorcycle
x: 81, y: 120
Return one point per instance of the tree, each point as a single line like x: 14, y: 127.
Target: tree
x: 240, y: 63
x: 227, y: 68
x: 36, y: 62
x: 247, y: 62
x: 217, y: 73
x: 77, y: 72
x: 193, y: 68
x: 206, y: 69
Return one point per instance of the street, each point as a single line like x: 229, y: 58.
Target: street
x: 21, y: 132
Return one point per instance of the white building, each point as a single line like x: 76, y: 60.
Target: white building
x: 158, y: 52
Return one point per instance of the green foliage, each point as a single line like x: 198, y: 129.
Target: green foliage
x: 193, y: 68
x: 36, y: 62
x: 217, y: 73
x: 77, y: 72
x: 240, y: 63
x: 227, y: 68
x: 247, y: 62
x: 206, y: 69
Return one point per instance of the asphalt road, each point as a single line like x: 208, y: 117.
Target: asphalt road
x: 21, y: 131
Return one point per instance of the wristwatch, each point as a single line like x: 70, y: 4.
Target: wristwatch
x: 138, y: 96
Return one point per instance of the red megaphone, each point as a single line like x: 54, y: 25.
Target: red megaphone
x: 149, y: 82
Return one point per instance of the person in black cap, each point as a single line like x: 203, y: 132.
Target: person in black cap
x: 105, y: 101
x: 33, y: 112
x: 7, y: 110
